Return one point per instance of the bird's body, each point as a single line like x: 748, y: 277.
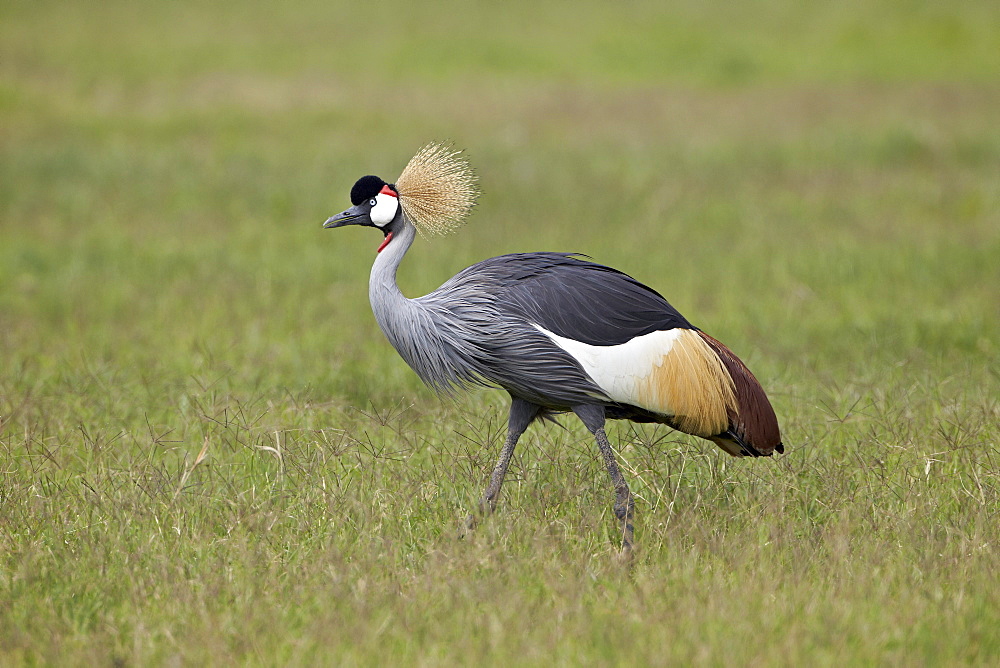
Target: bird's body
x: 561, y: 333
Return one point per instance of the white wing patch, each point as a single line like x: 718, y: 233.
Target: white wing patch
x: 622, y: 371
x: 673, y: 372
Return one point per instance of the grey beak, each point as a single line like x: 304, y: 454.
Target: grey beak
x: 352, y: 216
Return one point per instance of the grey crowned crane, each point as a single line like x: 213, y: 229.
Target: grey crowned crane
x: 557, y: 332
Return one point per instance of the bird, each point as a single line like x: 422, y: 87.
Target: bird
x: 559, y: 333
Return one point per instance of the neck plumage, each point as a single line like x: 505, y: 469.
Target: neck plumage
x: 407, y: 323
x: 418, y: 331
x: 383, y: 291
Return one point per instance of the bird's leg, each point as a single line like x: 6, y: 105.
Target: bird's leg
x: 593, y: 417
x: 521, y: 414
x: 488, y: 503
x: 624, y: 503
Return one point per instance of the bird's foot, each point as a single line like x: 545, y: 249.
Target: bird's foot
x: 627, y: 554
x: 624, y: 510
x: 486, y: 508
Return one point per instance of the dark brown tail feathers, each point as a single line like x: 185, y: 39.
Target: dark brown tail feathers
x: 754, y: 427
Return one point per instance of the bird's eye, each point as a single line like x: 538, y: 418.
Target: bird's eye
x: 372, y: 202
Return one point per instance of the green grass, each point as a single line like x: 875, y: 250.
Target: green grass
x: 209, y: 453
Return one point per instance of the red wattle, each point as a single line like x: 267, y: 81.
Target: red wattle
x: 386, y: 190
x: 385, y: 243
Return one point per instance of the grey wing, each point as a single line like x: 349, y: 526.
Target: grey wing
x: 582, y: 300
x: 488, y: 312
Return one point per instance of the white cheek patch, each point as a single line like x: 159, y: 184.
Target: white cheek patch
x: 384, y: 210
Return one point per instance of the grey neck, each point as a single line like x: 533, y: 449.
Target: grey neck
x: 401, y: 320
x: 412, y: 327
x: 382, y: 288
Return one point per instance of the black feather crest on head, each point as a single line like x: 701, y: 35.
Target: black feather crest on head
x: 366, y: 188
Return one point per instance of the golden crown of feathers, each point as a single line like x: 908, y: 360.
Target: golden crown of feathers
x: 437, y: 189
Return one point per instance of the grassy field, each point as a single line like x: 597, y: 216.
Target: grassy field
x: 210, y: 455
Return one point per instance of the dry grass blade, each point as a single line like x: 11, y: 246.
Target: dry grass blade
x: 184, y: 476
x: 437, y: 189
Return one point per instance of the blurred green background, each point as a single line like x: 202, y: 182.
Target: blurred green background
x: 816, y: 184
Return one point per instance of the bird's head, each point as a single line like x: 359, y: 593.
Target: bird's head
x: 375, y: 204
x: 435, y: 192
